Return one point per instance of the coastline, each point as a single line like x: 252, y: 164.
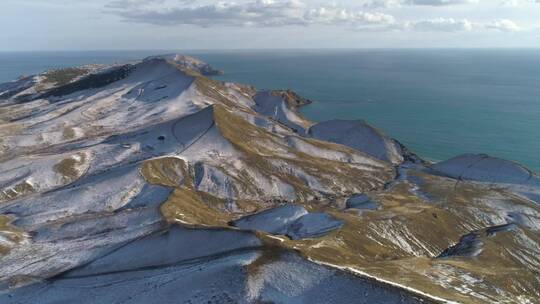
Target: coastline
x: 223, y: 155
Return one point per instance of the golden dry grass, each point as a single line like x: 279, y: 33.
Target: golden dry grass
x: 69, y: 169
x: 21, y: 189
x: 358, y: 246
x: 367, y: 242
x: 11, y: 233
x: 68, y: 133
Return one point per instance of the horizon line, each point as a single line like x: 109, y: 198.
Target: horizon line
x: 273, y: 49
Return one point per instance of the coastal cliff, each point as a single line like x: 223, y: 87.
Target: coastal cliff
x: 149, y: 182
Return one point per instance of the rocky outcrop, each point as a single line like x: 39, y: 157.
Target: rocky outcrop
x: 471, y: 245
x: 189, y: 63
x: 292, y: 99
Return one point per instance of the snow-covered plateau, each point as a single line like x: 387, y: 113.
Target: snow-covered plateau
x: 147, y: 182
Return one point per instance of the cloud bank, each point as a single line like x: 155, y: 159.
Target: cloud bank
x: 260, y: 13
x: 280, y: 13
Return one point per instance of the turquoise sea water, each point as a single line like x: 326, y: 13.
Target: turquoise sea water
x: 440, y: 103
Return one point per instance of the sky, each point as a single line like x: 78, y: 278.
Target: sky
x: 31, y: 25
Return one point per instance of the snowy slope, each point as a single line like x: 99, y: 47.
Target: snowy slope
x: 147, y: 182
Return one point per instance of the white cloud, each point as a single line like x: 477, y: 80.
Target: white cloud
x: 439, y: 2
x: 397, y: 3
x: 277, y: 13
x: 511, y: 3
x: 518, y: 3
x: 441, y: 25
x: 503, y: 25
x: 463, y: 25
x: 252, y: 13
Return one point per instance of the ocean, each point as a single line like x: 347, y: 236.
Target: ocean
x: 438, y: 102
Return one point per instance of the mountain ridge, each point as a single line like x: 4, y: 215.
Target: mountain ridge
x: 159, y: 147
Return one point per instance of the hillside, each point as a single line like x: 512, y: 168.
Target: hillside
x: 148, y: 182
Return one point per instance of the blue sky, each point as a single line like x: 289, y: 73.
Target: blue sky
x: 251, y: 24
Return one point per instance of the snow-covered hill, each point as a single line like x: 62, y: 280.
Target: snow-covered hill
x: 147, y: 182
